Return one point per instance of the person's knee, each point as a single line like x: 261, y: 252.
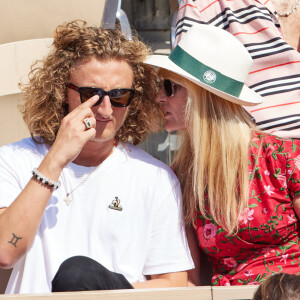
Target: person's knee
x: 81, y: 273
x: 73, y: 274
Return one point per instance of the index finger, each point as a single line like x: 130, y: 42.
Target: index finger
x: 83, y: 106
x: 90, y: 102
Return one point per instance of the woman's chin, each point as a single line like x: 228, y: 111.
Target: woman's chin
x: 173, y: 126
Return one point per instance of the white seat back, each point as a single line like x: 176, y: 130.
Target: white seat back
x: 16, y: 59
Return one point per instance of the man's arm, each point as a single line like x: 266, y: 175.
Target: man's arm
x: 20, y: 221
x: 177, y: 279
x: 194, y: 274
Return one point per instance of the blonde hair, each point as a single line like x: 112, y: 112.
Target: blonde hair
x: 44, y: 97
x: 212, y: 161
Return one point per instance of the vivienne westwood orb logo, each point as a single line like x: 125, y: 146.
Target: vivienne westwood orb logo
x: 209, y: 76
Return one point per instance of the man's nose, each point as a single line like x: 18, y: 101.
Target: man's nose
x: 105, y: 108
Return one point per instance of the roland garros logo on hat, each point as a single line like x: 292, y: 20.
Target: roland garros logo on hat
x: 205, y: 73
x: 209, y: 76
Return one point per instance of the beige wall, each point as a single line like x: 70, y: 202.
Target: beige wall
x: 33, y: 19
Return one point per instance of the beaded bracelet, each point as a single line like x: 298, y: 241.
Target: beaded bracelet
x: 45, y: 180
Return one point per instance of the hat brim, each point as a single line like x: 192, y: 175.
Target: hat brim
x: 247, y: 96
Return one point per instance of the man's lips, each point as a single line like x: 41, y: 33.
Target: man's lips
x: 103, y: 119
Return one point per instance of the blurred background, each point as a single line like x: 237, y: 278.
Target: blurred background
x: 153, y: 21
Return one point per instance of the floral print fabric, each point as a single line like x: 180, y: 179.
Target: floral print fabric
x: 268, y: 238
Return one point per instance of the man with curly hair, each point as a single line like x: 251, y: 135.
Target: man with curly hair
x: 82, y: 208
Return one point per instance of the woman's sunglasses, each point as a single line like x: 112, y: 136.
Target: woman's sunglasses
x: 118, y: 97
x: 170, y: 87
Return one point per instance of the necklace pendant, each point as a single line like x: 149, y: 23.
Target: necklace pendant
x: 68, y: 200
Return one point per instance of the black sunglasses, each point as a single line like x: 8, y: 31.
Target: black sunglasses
x: 170, y: 87
x: 118, y: 97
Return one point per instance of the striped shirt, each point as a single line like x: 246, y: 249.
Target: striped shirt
x: 275, y: 73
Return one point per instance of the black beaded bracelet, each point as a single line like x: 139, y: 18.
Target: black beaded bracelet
x: 45, y: 180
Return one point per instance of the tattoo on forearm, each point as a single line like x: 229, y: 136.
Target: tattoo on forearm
x: 14, y: 240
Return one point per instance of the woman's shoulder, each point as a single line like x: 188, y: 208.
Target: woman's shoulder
x: 274, y: 155
x: 273, y: 145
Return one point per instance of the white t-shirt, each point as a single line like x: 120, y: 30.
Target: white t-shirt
x: 145, y: 237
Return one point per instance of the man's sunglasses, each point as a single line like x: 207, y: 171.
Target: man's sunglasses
x: 118, y: 97
x: 170, y: 87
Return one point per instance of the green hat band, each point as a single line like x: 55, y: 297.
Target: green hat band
x: 205, y: 74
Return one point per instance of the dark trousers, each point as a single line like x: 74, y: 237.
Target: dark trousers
x: 81, y: 273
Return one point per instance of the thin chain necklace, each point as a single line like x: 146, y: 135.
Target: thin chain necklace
x: 67, y: 198
x: 290, y: 12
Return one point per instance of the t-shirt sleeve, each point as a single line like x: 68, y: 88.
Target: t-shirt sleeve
x: 168, y: 248
x: 293, y: 169
x: 12, y: 179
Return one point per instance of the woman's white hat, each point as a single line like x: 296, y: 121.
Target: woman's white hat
x: 213, y: 59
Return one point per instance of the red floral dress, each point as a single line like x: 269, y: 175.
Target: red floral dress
x: 268, y: 239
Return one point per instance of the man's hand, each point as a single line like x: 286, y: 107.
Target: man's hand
x: 177, y: 279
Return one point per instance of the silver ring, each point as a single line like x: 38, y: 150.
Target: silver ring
x: 87, y: 123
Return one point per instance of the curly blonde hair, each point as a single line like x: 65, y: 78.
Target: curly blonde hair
x: 44, y: 104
